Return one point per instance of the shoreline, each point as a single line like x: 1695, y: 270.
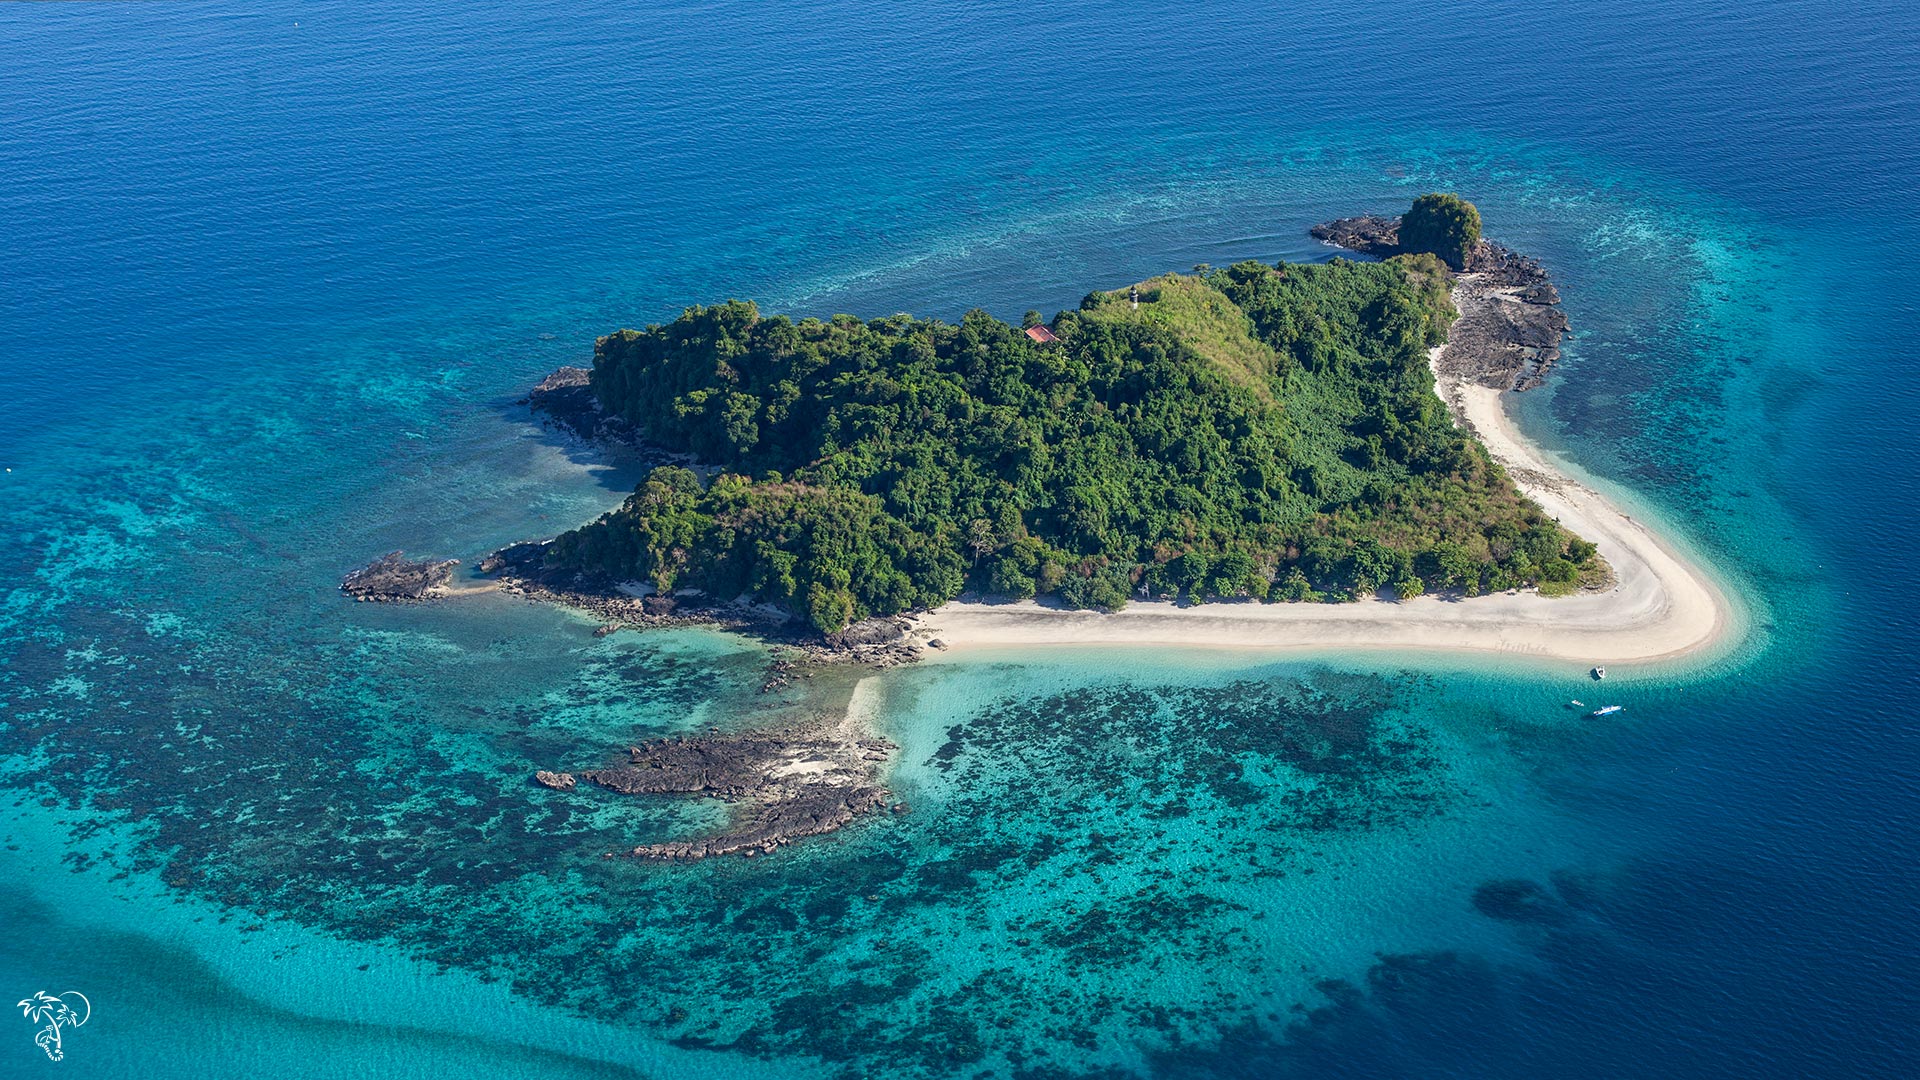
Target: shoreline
x: 1659, y: 605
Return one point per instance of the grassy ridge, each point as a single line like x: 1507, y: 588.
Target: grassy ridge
x: 1265, y: 431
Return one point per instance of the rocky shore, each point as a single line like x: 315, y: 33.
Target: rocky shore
x: 882, y: 642
x: 565, y: 401
x: 1510, y: 326
x: 784, y: 785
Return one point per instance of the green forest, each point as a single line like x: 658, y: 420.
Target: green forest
x: 1265, y: 431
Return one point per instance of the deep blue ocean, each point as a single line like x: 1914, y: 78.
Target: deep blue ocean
x: 273, y: 276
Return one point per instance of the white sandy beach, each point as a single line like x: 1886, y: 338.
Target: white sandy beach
x: 1660, y: 606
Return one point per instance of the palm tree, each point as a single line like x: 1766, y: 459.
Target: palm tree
x: 44, y: 1008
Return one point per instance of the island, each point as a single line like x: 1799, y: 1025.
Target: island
x: 1261, y: 456
x: 1259, y: 432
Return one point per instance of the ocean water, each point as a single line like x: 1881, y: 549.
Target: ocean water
x: 272, y: 278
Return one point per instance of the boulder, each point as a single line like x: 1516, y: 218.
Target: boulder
x: 557, y: 781
x: 875, y: 631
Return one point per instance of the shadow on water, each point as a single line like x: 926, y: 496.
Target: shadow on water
x: 612, y: 466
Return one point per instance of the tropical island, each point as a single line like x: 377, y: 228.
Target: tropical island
x: 1260, y: 432
x: 1262, y: 456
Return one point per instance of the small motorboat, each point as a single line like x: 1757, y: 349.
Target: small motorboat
x: 1599, y: 673
x: 1577, y: 703
x: 1606, y: 710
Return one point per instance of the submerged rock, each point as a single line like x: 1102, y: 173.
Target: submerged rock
x: 393, y: 577
x: 557, y: 781
x: 1518, y: 900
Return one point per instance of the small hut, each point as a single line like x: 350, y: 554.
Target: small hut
x: 1041, y: 334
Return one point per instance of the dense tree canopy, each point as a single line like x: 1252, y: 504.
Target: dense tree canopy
x: 1442, y: 224
x: 1263, y: 431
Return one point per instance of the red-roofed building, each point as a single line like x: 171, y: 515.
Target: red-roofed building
x: 1041, y: 334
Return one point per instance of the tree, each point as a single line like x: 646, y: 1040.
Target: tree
x: 980, y: 537
x: 1007, y: 578
x: 1295, y: 588
x: 1442, y: 223
x: 1234, y: 574
x: 830, y: 610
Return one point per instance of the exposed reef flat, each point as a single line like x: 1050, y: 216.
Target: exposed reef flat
x: 395, y: 578
x: 1510, y: 326
x: 785, y: 784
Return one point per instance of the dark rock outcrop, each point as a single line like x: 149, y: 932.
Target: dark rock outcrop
x: 557, y: 781
x: 786, y: 784
x: 566, y: 398
x: 1369, y: 235
x: 524, y: 558
x: 521, y: 570
x: 881, y: 630
x: 394, y: 577
x: 1502, y: 339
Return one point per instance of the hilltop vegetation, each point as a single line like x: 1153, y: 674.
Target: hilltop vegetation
x: 1442, y: 224
x: 1254, y: 431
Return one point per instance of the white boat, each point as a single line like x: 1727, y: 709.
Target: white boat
x: 1606, y: 710
x: 1599, y: 673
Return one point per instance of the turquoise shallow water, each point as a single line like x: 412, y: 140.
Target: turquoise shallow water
x: 270, y: 292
